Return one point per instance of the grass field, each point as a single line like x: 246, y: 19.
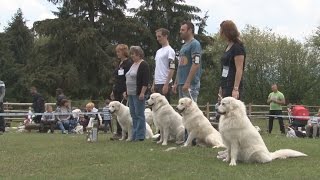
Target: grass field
x: 57, y: 156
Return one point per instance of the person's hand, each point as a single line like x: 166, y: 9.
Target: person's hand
x: 165, y: 89
x: 112, y: 96
x: 174, y: 88
x: 141, y: 97
x: 235, y: 94
x: 125, y: 95
x: 186, y: 87
x: 152, y: 88
x: 219, y: 97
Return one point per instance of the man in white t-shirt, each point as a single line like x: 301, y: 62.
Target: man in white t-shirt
x: 165, y: 65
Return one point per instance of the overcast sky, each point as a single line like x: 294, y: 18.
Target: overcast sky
x: 293, y: 18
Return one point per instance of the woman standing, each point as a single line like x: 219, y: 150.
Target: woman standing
x: 232, y: 62
x: 137, y: 80
x: 119, y: 86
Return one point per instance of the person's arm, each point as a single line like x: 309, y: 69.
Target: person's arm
x: 145, y: 79
x: 239, y: 61
x: 282, y: 101
x: 2, y: 92
x: 269, y: 99
x: 58, y: 110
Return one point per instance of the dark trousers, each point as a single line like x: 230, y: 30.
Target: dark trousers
x: 118, y: 96
x: 158, y: 89
x: 2, y: 122
x: 106, y: 124
x: 280, y: 119
x: 227, y: 92
x: 43, y: 124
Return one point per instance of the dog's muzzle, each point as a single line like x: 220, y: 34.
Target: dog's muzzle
x: 180, y: 110
x: 150, y: 104
x: 111, y: 112
x: 221, y: 113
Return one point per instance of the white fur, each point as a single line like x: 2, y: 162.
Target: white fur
x: 149, y: 118
x: 243, y: 141
x: 197, y: 125
x: 166, y: 119
x: 124, y: 118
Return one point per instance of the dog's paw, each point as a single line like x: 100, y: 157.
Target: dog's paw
x: 164, y: 144
x: 159, y: 142
x: 121, y: 139
x: 233, y: 163
x: 184, y: 145
x: 128, y: 140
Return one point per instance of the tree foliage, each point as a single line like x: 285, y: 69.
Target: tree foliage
x: 75, y: 51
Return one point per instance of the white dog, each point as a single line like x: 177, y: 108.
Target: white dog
x: 197, y: 125
x: 243, y: 141
x: 166, y: 119
x: 124, y: 118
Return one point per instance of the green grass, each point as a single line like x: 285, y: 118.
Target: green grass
x: 57, y: 156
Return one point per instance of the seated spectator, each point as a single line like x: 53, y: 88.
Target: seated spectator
x: 75, y: 120
x: 48, y: 119
x: 313, y: 125
x: 107, y: 117
x: 63, y: 120
x: 88, y: 119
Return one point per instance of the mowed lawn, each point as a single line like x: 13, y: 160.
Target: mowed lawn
x: 57, y: 156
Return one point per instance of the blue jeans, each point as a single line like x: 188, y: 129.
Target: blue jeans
x: 137, y: 107
x: 195, y: 88
x: 63, y: 125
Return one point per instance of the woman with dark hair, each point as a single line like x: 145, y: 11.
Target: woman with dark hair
x: 232, y: 62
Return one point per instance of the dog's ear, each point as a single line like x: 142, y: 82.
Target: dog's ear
x: 188, y: 102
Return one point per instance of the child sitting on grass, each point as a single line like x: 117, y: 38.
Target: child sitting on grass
x: 48, y: 119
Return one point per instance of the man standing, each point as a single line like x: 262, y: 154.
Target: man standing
x: 165, y: 65
x: 2, y: 94
x: 60, y: 95
x: 189, y: 68
x: 276, y: 99
x: 37, y: 104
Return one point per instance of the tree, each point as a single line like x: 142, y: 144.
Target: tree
x: 19, y: 37
x: 167, y: 14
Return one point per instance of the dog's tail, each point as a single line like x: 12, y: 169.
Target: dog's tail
x: 286, y: 153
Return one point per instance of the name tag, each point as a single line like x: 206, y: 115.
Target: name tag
x: 121, y: 72
x: 225, y: 71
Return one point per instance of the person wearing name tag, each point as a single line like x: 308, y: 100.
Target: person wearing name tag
x: 165, y: 65
x: 189, y: 70
x: 119, y: 77
x: 232, y: 62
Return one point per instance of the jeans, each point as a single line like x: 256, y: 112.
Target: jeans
x: 194, y: 91
x: 137, y: 107
x: 72, y: 124
x: 271, y: 118
x: 63, y: 125
x: 2, y: 122
x: 158, y: 89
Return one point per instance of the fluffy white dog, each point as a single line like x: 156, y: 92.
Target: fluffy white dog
x: 166, y: 119
x: 124, y: 118
x: 243, y: 141
x: 197, y: 125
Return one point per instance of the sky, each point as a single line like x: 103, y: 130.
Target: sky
x: 295, y: 19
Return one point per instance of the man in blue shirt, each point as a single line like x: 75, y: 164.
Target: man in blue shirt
x: 189, y: 69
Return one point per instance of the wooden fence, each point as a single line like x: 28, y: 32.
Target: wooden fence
x: 253, y: 110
